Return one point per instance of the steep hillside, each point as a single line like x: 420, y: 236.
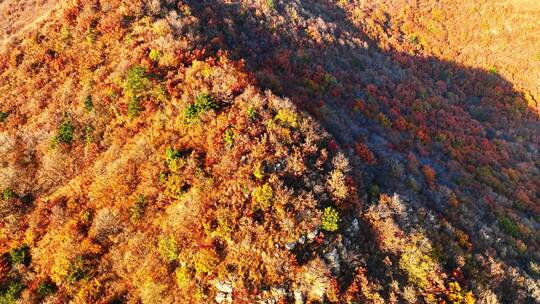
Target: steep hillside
x: 269, y: 152
x: 460, y: 143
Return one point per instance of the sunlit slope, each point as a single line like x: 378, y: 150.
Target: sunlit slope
x: 21, y: 16
x: 499, y: 36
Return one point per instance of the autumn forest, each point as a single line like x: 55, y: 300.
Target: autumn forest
x: 269, y: 151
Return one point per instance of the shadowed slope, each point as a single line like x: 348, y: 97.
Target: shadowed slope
x: 456, y: 140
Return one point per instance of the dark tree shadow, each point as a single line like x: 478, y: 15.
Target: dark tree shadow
x: 471, y: 126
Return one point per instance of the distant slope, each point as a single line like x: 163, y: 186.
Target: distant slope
x: 17, y: 16
x: 498, y: 35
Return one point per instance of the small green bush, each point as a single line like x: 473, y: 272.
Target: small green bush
x: 65, y: 132
x: 3, y: 116
x: 229, y: 137
x: 162, y: 178
x: 172, y: 158
x: 12, y: 293
x: 414, y: 39
x: 8, y: 194
x: 134, y: 107
x: 328, y: 81
x: 171, y: 154
x: 88, y: 104
x: 205, y: 102
x: 91, y: 35
x: 251, y: 113
x: 136, y: 81
x: 202, y: 104
x: 46, y: 288
x: 330, y: 219
x: 191, y: 112
x: 509, y: 226
x: 78, y: 270
x: 88, y: 134
x: 20, y: 255
x: 374, y: 191
x: 86, y: 217
x: 160, y: 93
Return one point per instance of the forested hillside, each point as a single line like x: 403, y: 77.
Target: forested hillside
x: 269, y: 151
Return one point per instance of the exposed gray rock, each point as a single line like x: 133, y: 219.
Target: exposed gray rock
x: 311, y: 235
x: 298, y: 297
x: 225, y: 287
